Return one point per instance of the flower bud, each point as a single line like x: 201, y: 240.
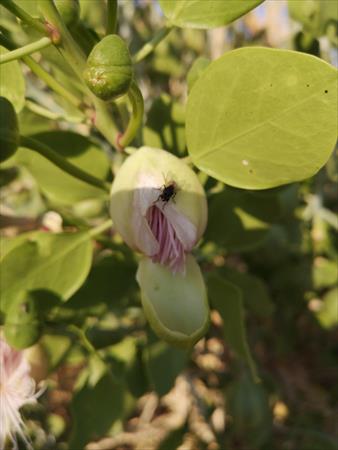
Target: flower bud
x: 109, y: 71
x: 158, y: 206
x: 176, y: 306
x: 9, y: 130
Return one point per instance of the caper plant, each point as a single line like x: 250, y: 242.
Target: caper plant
x: 124, y: 264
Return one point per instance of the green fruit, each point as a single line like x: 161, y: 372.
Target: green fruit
x: 109, y: 69
x: 69, y: 11
x: 23, y: 327
x: 9, y: 130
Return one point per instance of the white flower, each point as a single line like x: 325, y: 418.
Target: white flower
x: 165, y: 228
x: 17, y: 388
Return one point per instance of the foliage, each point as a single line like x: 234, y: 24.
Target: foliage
x: 256, y: 127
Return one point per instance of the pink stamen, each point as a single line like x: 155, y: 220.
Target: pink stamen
x: 171, y: 252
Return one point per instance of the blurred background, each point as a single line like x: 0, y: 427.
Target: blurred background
x: 278, y: 246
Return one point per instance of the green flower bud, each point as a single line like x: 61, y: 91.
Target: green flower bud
x: 159, y: 207
x: 22, y: 327
x: 69, y: 11
x: 175, y: 305
x: 9, y: 130
x: 109, y: 71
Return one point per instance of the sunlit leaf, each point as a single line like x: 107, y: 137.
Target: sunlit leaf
x: 57, y: 185
x: 56, y: 262
x: 205, y: 14
x: 227, y: 300
x: 165, y: 125
x: 12, y: 84
x: 276, y: 123
x: 239, y: 221
x: 163, y: 363
x: 327, y: 315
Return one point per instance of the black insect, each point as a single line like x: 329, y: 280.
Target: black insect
x: 168, y: 192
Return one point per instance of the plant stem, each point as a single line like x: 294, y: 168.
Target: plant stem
x: 136, y: 117
x: 111, y: 16
x: 62, y: 163
x: 77, y: 60
x: 101, y: 228
x: 41, y: 111
x: 44, y: 112
x: 150, y: 46
x: 67, y: 46
x: 25, y: 17
x: 103, y: 120
x: 43, y: 74
x: 25, y: 50
x: 91, y: 349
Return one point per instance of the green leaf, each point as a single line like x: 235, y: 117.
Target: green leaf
x: 324, y: 272
x: 56, y: 348
x: 327, y: 315
x: 227, y: 299
x: 12, y: 84
x: 57, y: 185
x: 8, y: 244
x: 165, y: 125
x: 110, y: 280
x: 163, y: 364
x: 248, y: 404
x: 276, y: 122
x: 23, y: 326
x: 313, y: 14
x: 239, y: 221
x: 31, y: 123
x: 205, y: 14
x: 255, y: 294
x: 57, y: 262
x: 95, y: 408
x: 196, y: 70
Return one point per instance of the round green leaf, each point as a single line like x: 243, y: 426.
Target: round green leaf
x: 57, y: 262
x: 259, y: 118
x: 205, y: 13
x: 12, y: 84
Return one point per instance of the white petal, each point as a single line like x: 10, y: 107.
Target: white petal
x: 143, y: 235
x: 146, y: 193
x: 185, y: 230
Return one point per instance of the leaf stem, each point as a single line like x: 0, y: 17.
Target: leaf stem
x: 150, y: 46
x: 136, y: 117
x: 62, y: 163
x: 66, y: 44
x: 43, y: 74
x: 25, y: 50
x: 75, y: 57
x: 101, y: 228
x: 25, y: 17
x: 111, y: 16
x: 91, y: 349
x: 51, y: 115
